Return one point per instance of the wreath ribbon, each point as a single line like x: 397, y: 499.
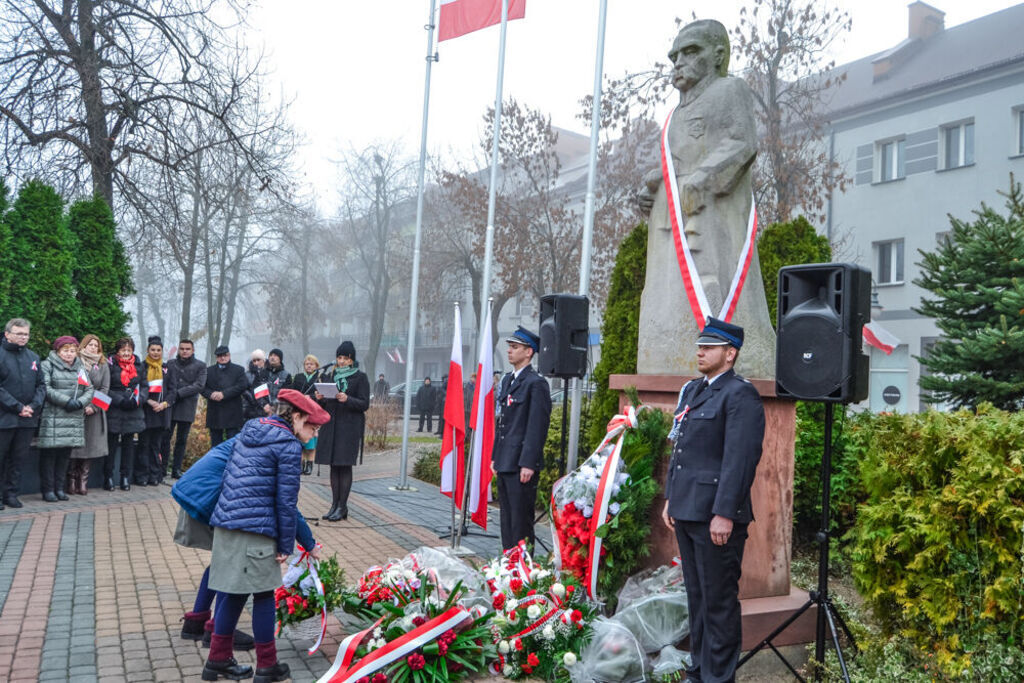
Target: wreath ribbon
x: 311, y: 565
x: 687, y: 267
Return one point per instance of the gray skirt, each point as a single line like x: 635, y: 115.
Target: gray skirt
x: 192, y: 533
x: 243, y: 562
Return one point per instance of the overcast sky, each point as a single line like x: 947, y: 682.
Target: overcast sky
x: 355, y: 70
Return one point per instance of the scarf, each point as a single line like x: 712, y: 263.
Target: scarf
x: 342, y: 373
x: 154, y: 369
x: 128, y: 372
x: 91, y: 360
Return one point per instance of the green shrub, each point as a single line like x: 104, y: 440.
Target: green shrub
x: 938, y: 546
x: 428, y: 467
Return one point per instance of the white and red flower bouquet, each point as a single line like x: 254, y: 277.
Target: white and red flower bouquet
x: 584, y: 503
x: 541, y: 621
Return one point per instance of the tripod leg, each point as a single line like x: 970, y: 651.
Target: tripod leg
x: 842, y: 624
x: 767, y: 642
x: 827, y: 606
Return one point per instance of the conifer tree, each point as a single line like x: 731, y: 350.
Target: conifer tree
x: 5, y: 252
x: 102, y: 276
x: 786, y: 244
x: 976, y: 277
x: 42, y: 259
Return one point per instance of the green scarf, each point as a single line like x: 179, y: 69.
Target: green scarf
x: 341, y: 375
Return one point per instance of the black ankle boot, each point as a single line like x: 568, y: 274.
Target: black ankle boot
x: 60, y: 494
x: 336, y: 515
x: 229, y: 669
x: 108, y: 483
x: 125, y: 484
x: 272, y: 674
x: 330, y: 513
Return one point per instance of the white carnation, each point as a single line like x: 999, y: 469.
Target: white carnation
x: 569, y: 659
x: 507, y: 670
x: 511, y: 604
x: 377, y: 632
x: 558, y: 590
x: 533, y: 611
x: 548, y: 632
x: 503, y: 647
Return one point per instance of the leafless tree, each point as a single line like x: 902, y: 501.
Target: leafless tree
x: 91, y: 87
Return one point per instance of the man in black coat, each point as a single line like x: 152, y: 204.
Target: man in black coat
x: 718, y: 430
x: 381, y: 389
x: 524, y: 404
x: 426, y: 396
x: 22, y: 393
x: 225, y: 384
x: 190, y: 379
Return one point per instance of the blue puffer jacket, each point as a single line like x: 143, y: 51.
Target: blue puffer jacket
x: 261, y: 483
x: 199, y: 488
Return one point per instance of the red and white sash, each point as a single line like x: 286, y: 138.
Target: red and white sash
x: 687, y: 268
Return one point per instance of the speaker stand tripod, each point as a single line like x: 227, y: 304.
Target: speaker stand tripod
x: 827, y: 614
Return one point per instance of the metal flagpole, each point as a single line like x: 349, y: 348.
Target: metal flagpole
x: 492, y: 196
x: 410, y: 352
x: 588, y: 222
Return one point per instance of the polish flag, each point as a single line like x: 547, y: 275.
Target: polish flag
x: 398, y: 357
x: 880, y: 338
x: 83, y: 379
x: 100, y: 400
x: 262, y: 391
x: 482, y: 420
x: 459, y: 17
x: 156, y: 386
x: 453, y: 462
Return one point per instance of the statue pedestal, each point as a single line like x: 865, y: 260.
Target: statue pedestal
x: 766, y: 595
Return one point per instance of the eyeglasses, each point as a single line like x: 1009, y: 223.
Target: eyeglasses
x: 19, y: 334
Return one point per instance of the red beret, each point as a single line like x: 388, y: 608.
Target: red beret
x: 315, y: 415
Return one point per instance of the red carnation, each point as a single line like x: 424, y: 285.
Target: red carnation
x: 527, y: 669
x: 519, y: 644
x: 416, y: 661
x: 532, y: 659
x: 499, y: 601
x: 418, y: 621
x: 364, y: 679
x: 577, y: 615
x: 380, y: 678
x: 515, y: 584
x: 570, y: 589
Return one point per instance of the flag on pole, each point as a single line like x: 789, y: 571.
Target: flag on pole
x: 483, y: 428
x: 156, y: 386
x: 100, y: 400
x: 453, y: 462
x: 398, y: 356
x: 880, y: 338
x: 459, y: 17
x: 262, y: 391
x: 83, y: 379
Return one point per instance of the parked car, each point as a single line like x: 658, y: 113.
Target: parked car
x: 397, y: 395
x: 586, y: 391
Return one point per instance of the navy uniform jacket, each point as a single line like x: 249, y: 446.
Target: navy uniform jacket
x: 525, y: 405
x: 717, y: 448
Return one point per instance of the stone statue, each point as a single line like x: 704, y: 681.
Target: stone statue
x: 713, y: 141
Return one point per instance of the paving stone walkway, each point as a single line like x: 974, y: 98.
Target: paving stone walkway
x: 93, y: 589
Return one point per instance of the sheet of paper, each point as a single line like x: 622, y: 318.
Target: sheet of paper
x: 327, y: 389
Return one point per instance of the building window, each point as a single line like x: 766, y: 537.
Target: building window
x: 1019, y: 120
x: 958, y: 144
x: 890, y: 262
x: 890, y: 155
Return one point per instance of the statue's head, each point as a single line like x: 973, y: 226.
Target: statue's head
x: 700, y: 51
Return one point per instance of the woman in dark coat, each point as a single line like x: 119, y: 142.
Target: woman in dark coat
x: 129, y: 391
x: 95, y: 364
x: 341, y: 439
x: 150, y: 463
x: 305, y: 383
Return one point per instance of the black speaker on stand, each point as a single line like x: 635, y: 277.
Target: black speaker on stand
x: 822, y: 308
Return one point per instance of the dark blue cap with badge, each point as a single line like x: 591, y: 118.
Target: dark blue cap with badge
x: 720, y: 333
x: 525, y: 337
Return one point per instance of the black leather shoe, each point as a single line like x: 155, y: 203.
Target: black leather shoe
x: 48, y: 497
x: 272, y: 674
x: 335, y: 515
x: 330, y: 513
x: 125, y: 484
x: 60, y: 495
x: 242, y: 641
x: 108, y: 484
x: 229, y: 669
x: 175, y: 474
x: 13, y: 502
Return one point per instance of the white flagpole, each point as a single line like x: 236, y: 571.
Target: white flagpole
x: 492, y: 196
x: 410, y: 352
x: 588, y: 223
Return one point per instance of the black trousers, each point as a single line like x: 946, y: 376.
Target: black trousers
x: 127, y: 444
x: 518, y: 501
x: 148, y: 465
x: 53, y: 469
x: 14, y: 445
x: 430, y: 422
x: 711, y: 574
x: 219, y: 436
x: 180, y: 441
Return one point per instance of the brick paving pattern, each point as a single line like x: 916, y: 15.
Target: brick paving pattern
x: 93, y: 589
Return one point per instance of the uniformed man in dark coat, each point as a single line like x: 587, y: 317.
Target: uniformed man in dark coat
x: 718, y: 430
x: 225, y: 384
x: 22, y: 393
x: 524, y: 405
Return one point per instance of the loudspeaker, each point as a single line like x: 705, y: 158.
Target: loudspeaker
x: 564, y: 333
x: 819, y: 353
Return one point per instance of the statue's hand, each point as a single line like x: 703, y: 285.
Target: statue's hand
x: 693, y: 192
x: 645, y: 197
x: 645, y: 201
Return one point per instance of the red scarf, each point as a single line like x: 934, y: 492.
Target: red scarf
x: 128, y: 372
